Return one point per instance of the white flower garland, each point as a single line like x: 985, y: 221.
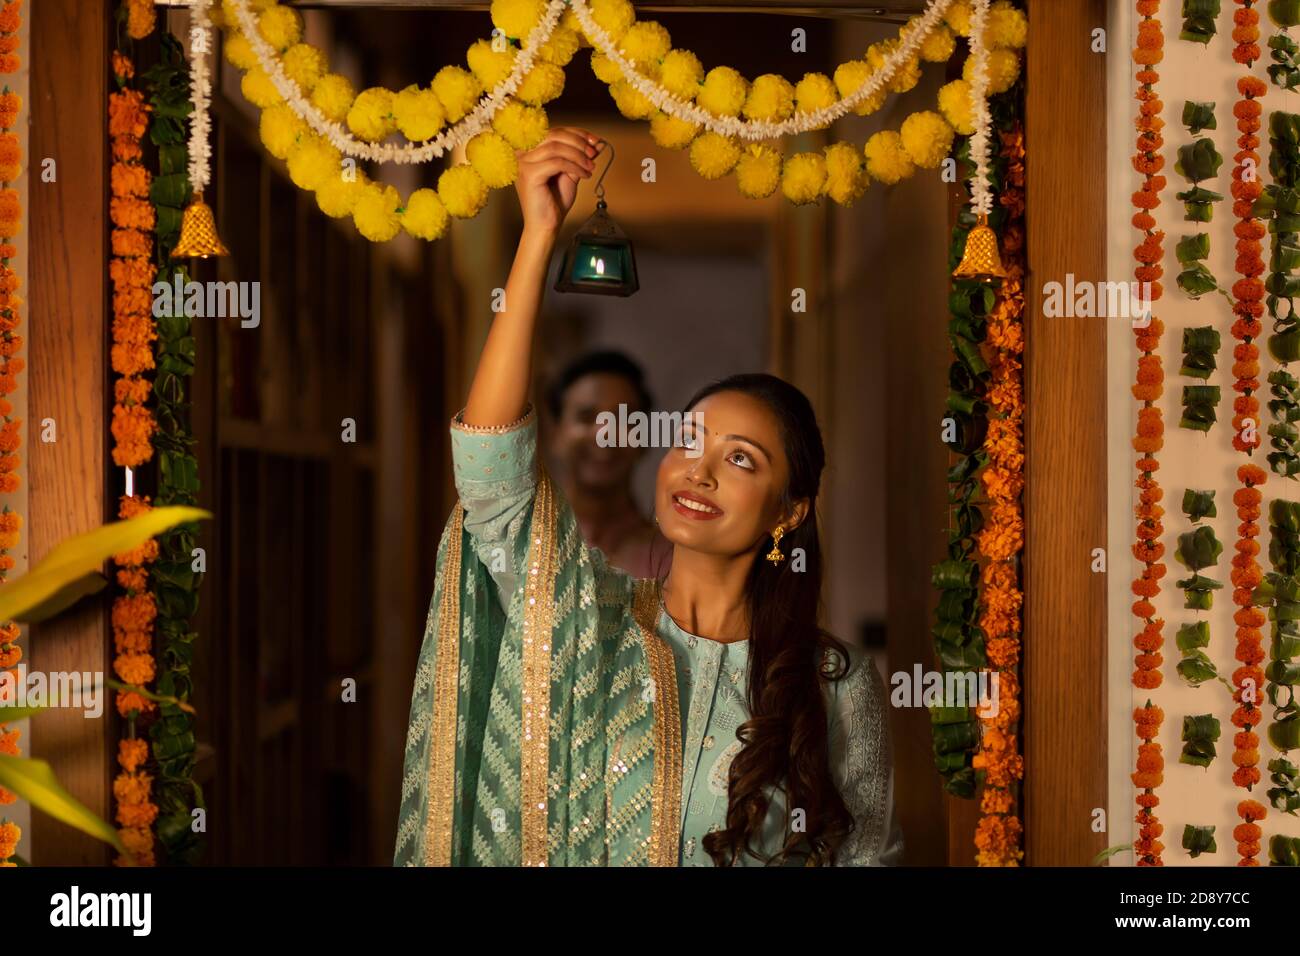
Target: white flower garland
x: 469, y: 126
x: 981, y: 198
x: 761, y: 129
x: 200, y: 158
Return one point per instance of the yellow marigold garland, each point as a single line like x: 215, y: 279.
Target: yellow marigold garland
x: 10, y: 366
x: 131, y: 271
x: 999, y: 831
x: 923, y: 140
x: 374, y: 114
x: 378, y: 211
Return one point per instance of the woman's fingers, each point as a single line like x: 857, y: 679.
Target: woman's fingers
x: 578, y: 137
x: 549, y: 146
x: 547, y: 168
x: 557, y: 148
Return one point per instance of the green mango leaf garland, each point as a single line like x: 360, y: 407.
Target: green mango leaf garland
x: 1198, y: 161
x: 1280, y: 591
x: 175, y: 575
x: 1198, y: 840
x: 1199, y: 20
x: 1199, y: 736
x: 959, y: 639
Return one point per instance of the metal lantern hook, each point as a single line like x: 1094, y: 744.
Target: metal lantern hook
x: 600, y: 188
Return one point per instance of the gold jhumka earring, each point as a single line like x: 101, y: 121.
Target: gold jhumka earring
x: 775, y: 555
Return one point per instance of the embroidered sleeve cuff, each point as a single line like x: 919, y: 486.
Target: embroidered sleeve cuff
x: 495, y: 461
x: 529, y: 417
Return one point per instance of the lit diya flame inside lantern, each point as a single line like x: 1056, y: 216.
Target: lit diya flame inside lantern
x: 599, y: 259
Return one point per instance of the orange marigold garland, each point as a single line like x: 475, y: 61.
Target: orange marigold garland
x: 140, y: 18
x: 999, y: 832
x: 1149, y: 438
x: 133, y: 624
x: 10, y: 366
x: 132, y: 272
x: 1248, y: 291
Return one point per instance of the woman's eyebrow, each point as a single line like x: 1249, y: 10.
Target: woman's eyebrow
x: 766, y: 453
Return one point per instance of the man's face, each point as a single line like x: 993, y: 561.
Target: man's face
x: 574, y: 443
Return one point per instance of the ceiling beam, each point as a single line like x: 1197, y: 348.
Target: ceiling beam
x: 887, y: 10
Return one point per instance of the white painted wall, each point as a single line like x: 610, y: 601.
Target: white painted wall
x: 1192, y: 459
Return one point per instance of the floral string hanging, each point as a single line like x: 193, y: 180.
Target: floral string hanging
x: 198, y: 226
x: 980, y: 259
x: 1147, y: 441
x: 650, y: 71
x: 1001, y: 542
x: 314, y: 119
x: 284, y: 74
x: 977, y: 616
x: 761, y: 127
x: 134, y: 611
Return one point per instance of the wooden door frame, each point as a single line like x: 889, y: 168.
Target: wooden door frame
x: 1064, y: 657
x: 68, y: 331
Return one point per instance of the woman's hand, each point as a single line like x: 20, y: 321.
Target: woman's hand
x: 549, y: 174
x: 547, y: 185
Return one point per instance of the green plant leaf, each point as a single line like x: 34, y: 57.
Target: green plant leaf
x: 13, y: 714
x: 1198, y: 116
x: 1192, y: 636
x: 1284, y: 850
x: 1284, y: 13
x: 1110, y: 851
x: 1204, y: 338
x: 150, y: 695
x: 1199, y: 549
x: 1199, y: 504
x: 66, y: 596
x: 84, y: 553
x: 1199, y: 735
x: 1198, y: 840
x: 1197, y: 668
x: 1196, y: 281
x: 34, y: 781
x: 1198, y: 160
x: 1193, y: 247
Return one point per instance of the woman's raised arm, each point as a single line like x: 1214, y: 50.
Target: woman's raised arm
x: 547, y: 185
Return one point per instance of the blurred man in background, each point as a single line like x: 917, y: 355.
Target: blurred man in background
x: 598, y: 481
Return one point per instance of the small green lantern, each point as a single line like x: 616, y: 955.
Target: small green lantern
x: 599, y: 260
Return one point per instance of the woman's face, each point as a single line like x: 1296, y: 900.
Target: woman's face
x: 719, y: 491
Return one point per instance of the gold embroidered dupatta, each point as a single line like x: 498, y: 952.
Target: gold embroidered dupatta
x: 549, y: 734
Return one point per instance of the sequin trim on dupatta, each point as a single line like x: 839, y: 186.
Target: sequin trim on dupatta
x: 442, y: 738
x: 539, y: 615
x: 666, y: 794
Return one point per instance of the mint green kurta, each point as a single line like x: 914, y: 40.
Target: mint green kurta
x: 495, y: 474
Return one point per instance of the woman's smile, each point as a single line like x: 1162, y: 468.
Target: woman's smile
x: 695, y: 506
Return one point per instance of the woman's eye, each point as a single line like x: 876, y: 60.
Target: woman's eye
x: 689, y: 440
x: 742, y: 459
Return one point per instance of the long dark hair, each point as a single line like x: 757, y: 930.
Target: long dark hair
x: 785, y: 743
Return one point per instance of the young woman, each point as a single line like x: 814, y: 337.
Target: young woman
x: 564, y: 714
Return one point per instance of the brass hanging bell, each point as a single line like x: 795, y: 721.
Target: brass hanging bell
x: 199, y: 238
x: 980, y: 259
